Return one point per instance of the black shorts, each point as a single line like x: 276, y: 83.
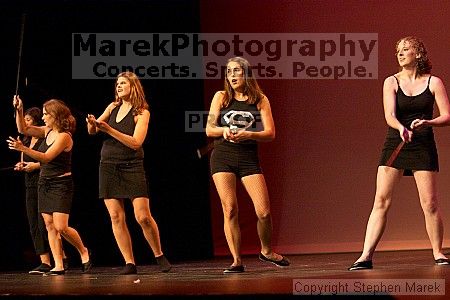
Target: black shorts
x: 55, y: 194
x: 122, y: 180
x: 242, y: 160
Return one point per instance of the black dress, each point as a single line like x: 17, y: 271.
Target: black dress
x: 121, y: 170
x: 421, y: 152
x: 54, y: 188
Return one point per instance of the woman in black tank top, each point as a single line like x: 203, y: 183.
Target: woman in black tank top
x: 121, y: 172
x: 409, y: 97
x: 232, y: 115
x: 55, y: 189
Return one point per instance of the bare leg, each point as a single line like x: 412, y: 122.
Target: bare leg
x: 226, y: 187
x: 54, y: 240
x: 119, y: 226
x: 257, y: 189
x: 45, y: 258
x: 426, y: 185
x: 386, y: 179
x: 61, y: 222
x: 148, y: 224
x: 150, y: 230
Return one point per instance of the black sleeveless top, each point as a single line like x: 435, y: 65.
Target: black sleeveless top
x: 114, y: 151
x: 240, y: 115
x: 60, y: 165
x: 31, y: 178
x: 421, y: 152
x: 409, y: 108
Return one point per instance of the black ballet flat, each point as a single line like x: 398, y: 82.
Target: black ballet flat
x: 361, y: 265
x: 54, y: 273
x: 442, y: 261
x: 129, y: 269
x: 234, y: 269
x: 284, y: 262
x: 163, y: 263
x: 87, y: 266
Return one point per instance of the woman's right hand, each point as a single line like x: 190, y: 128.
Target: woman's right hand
x: 405, y: 134
x: 228, y: 134
x: 90, y: 119
x: 17, y: 102
x: 19, y: 166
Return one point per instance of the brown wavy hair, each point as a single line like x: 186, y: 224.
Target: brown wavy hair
x: 64, y: 120
x: 137, y: 95
x: 423, y: 62
x: 251, y: 89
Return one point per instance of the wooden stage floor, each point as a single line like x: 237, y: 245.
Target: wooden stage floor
x: 204, y: 279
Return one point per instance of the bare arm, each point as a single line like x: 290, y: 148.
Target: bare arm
x: 63, y: 141
x: 212, y: 130
x: 36, y: 131
x: 91, y: 120
x: 440, y: 94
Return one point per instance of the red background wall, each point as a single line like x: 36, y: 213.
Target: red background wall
x: 321, y: 167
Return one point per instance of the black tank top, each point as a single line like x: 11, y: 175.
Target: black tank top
x: 31, y: 178
x: 409, y: 108
x: 60, y: 165
x: 114, y: 151
x: 240, y: 115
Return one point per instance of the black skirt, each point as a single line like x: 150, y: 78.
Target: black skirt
x: 419, y: 154
x: 122, y: 180
x: 55, y: 194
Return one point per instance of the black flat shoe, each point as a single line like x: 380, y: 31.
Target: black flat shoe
x: 442, y: 261
x: 234, y: 269
x: 128, y: 269
x: 41, y: 269
x: 54, y: 273
x: 163, y: 263
x: 87, y: 266
x: 361, y: 265
x: 284, y: 262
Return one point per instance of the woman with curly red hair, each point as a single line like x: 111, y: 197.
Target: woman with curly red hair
x: 409, y: 97
x: 55, y: 186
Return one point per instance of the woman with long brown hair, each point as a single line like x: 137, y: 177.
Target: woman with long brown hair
x: 239, y: 118
x: 121, y: 174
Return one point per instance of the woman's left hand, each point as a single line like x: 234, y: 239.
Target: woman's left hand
x: 241, y: 135
x: 419, y: 124
x: 30, y: 166
x: 102, y: 125
x: 15, y: 144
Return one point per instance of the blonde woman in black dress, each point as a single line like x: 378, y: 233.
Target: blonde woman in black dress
x: 409, y: 97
